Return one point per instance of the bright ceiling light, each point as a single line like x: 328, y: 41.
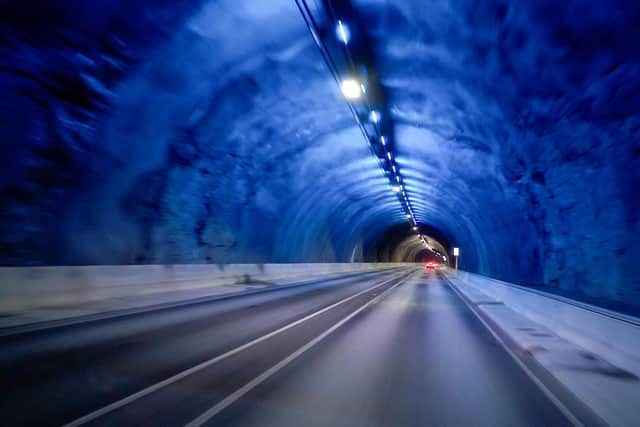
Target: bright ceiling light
x: 351, y: 89
x: 374, y: 116
x: 342, y: 32
x: 415, y: 228
x: 389, y: 155
x: 396, y: 188
x: 394, y: 168
x: 384, y: 141
x: 408, y: 215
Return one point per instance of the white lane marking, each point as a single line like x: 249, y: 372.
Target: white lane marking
x: 233, y: 397
x: 157, y: 386
x: 561, y: 407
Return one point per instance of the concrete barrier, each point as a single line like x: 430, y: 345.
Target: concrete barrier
x: 25, y: 289
x: 613, y: 336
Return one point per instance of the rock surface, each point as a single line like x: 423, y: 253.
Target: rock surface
x: 171, y: 132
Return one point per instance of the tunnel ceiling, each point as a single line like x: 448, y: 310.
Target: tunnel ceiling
x: 214, y: 132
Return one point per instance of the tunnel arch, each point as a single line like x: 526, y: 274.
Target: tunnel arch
x: 269, y: 184
x: 163, y: 134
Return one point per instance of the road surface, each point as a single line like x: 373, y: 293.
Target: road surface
x: 396, y: 348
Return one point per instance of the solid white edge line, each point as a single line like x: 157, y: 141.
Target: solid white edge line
x: 239, y: 393
x: 561, y: 406
x: 179, y: 376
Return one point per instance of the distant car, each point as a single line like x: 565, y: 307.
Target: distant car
x: 431, y: 265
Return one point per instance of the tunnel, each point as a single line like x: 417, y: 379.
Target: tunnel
x: 164, y: 132
x: 291, y: 212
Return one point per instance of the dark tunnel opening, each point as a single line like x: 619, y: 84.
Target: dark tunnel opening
x: 404, y: 242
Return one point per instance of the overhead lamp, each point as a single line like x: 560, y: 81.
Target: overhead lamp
x: 374, y: 116
x: 398, y: 178
x: 394, y: 168
x: 408, y: 215
x: 396, y: 188
x: 389, y: 155
x: 342, y: 32
x: 384, y: 142
x: 351, y: 89
x: 415, y: 228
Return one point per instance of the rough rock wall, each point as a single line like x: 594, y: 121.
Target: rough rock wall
x: 532, y: 112
x: 223, y: 139
x: 60, y: 65
x: 212, y: 132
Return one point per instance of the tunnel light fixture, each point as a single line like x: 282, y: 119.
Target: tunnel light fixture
x: 342, y: 32
x: 415, y: 228
x: 351, y: 89
x: 354, y: 87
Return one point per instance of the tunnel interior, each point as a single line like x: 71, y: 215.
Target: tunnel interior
x: 214, y: 132
x: 401, y: 243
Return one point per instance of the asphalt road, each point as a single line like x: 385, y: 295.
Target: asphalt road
x: 387, y: 349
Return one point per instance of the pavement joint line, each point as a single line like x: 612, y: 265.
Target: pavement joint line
x: 239, y: 393
x: 545, y: 390
x: 187, y: 372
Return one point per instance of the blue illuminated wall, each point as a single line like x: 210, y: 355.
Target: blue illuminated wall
x: 212, y: 132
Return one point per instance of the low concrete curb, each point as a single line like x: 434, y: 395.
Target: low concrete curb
x: 33, y: 298
x: 537, y: 325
